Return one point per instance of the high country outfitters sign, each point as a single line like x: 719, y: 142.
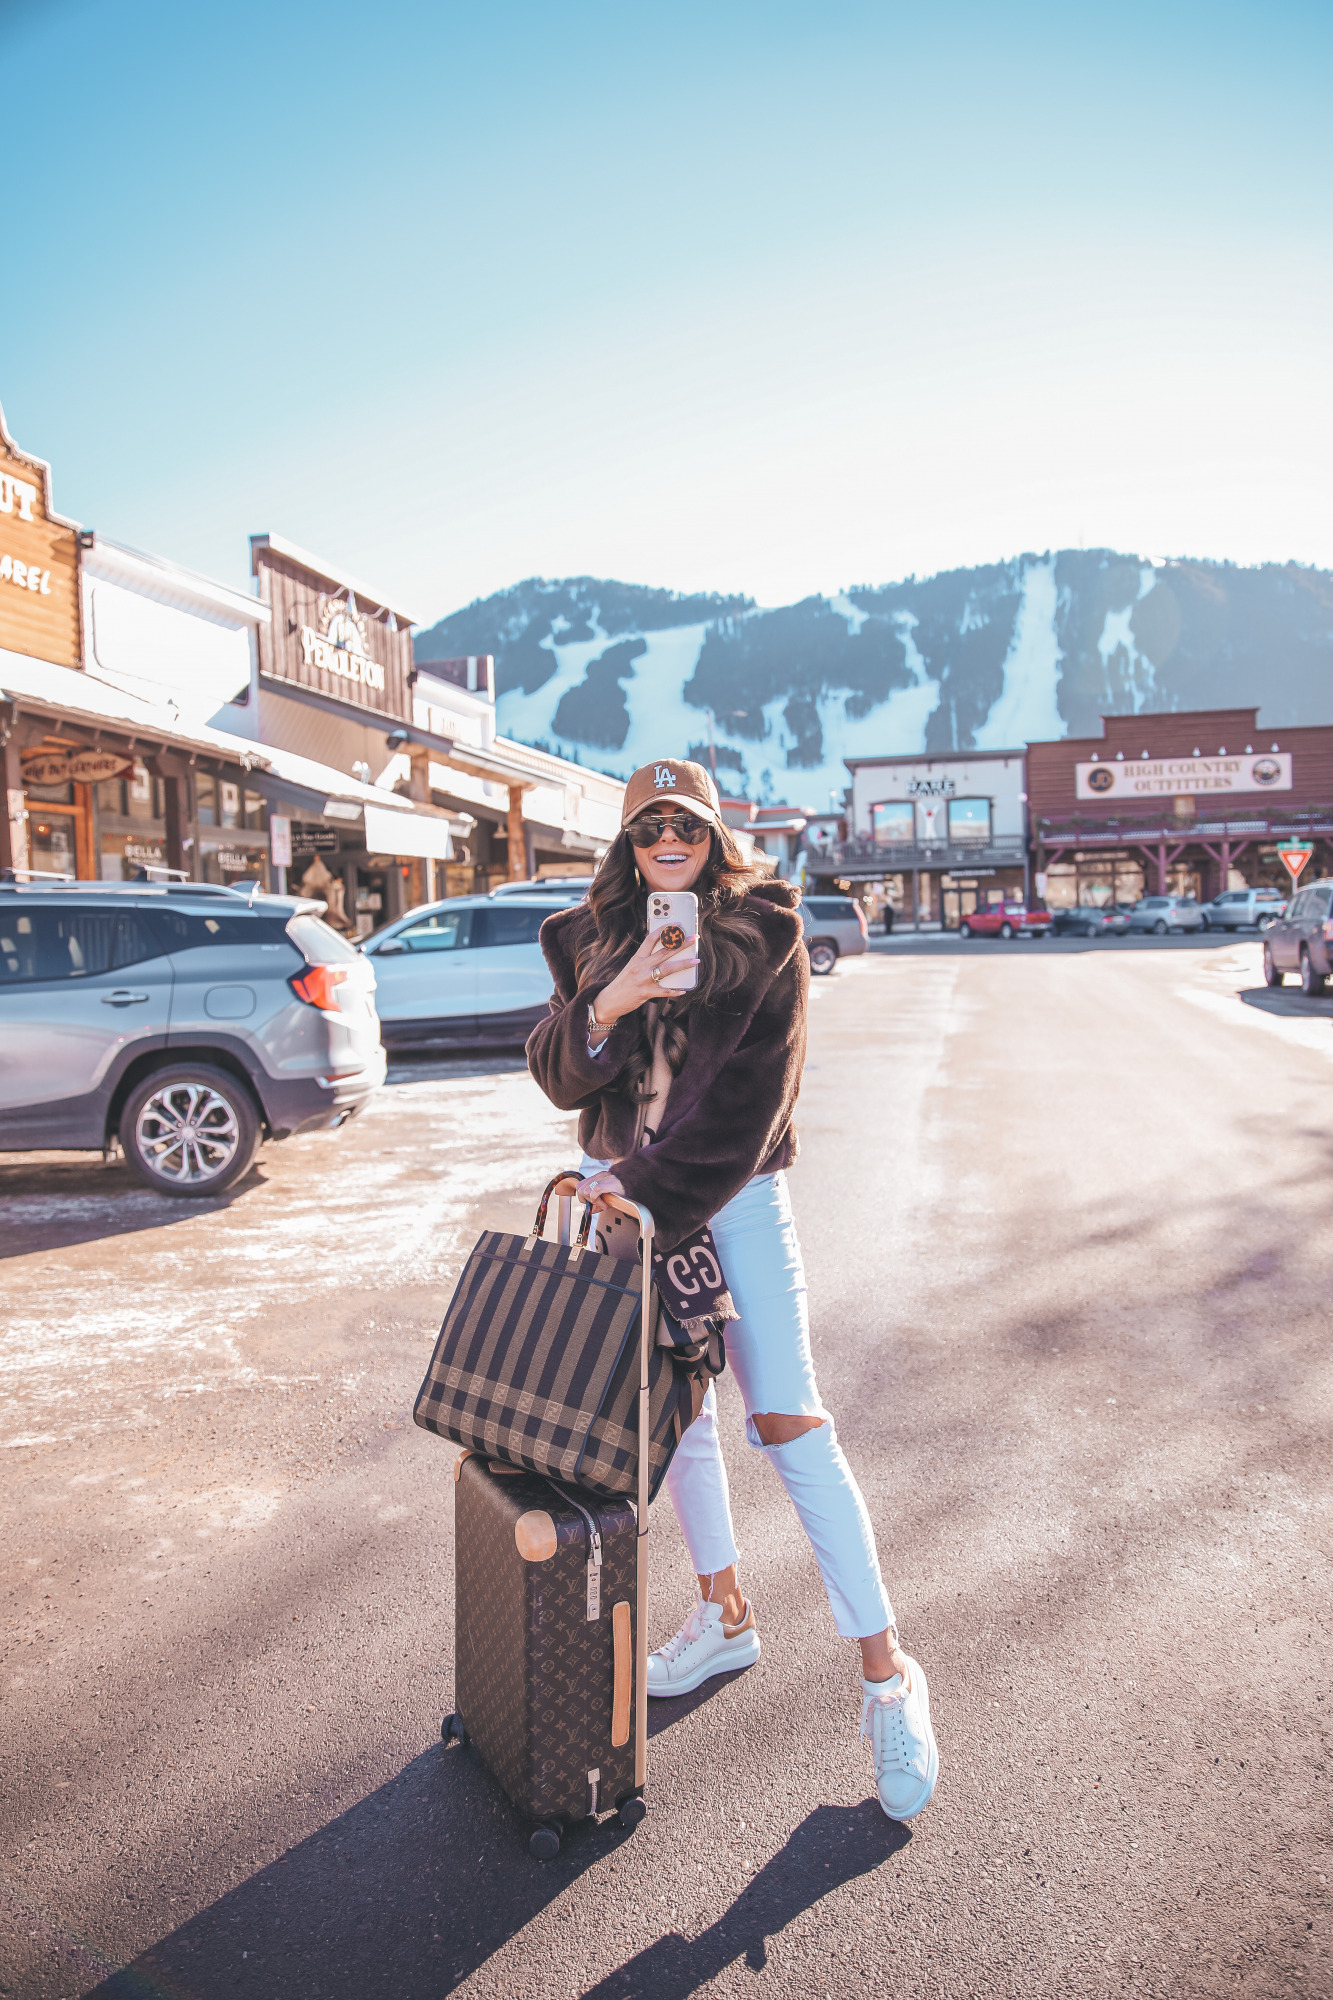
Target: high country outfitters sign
x: 1171, y: 777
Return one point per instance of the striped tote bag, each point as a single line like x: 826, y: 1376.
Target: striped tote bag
x: 537, y: 1364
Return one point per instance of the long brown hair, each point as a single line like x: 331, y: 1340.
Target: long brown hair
x: 728, y: 939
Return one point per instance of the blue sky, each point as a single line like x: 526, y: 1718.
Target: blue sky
x: 770, y: 298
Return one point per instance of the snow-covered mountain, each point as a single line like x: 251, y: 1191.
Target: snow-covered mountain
x: 1038, y: 647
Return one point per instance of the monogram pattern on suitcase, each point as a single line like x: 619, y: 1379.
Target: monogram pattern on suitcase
x: 533, y: 1675
x: 537, y: 1365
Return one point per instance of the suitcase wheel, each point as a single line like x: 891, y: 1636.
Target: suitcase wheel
x: 545, y: 1843
x: 631, y: 1812
x: 453, y: 1726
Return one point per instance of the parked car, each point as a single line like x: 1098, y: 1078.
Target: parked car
x: 1237, y: 907
x: 187, y: 1021
x: 563, y: 888
x: 1302, y: 939
x: 466, y: 972
x: 1161, y: 914
x: 1091, y: 920
x: 1006, y: 920
x: 835, y: 927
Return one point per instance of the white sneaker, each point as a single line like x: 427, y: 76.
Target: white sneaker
x: 704, y: 1645
x: 907, y: 1759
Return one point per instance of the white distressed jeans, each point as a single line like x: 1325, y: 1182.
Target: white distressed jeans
x: 768, y: 1350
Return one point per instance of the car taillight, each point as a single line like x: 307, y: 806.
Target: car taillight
x: 1328, y: 928
x: 316, y: 985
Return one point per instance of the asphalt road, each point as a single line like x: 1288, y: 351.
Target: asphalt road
x: 1066, y: 1216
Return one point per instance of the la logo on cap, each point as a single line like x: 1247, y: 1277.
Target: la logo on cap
x: 663, y: 775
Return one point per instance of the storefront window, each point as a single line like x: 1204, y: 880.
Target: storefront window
x: 227, y: 861
x: 110, y: 796
x: 229, y: 803
x: 969, y: 819
x: 125, y: 854
x: 256, y: 810
x: 893, y: 819
x: 206, y: 798
x: 144, y: 798
x: 50, y: 843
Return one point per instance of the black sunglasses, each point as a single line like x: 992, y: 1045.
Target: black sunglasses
x: 648, y: 828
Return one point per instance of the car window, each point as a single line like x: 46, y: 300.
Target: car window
x: 71, y: 943
x: 1266, y: 896
x: 833, y: 907
x: 1156, y: 902
x: 446, y: 930
x: 1299, y: 904
x: 508, y: 923
x: 187, y: 930
x: 320, y: 943
x: 1319, y: 901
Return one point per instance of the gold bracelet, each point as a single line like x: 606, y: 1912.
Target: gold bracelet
x: 598, y: 1028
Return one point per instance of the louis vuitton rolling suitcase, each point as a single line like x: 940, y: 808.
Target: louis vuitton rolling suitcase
x: 551, y: 1592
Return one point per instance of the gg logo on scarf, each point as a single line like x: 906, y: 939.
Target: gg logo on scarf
x: 671, y: 936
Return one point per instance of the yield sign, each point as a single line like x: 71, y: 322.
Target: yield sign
x: 1293, y: 854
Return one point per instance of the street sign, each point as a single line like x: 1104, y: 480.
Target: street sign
x: 1293, y: 854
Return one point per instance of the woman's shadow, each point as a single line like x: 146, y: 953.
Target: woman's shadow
x: 840, y: 1842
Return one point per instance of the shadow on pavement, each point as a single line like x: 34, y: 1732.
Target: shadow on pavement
x: 1288, y: 1004
x: 842, y: 1842
x: 908, y: 943
x: 406, y: 1066
x: 51, y: 1203
x: 407, y: 1893
x: 418, y: 1886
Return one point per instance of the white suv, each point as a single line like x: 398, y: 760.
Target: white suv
x: 465, y: 973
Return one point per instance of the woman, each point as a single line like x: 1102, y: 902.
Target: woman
x: 687, y: 1105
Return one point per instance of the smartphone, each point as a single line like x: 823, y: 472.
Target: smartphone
x: 675, y: 912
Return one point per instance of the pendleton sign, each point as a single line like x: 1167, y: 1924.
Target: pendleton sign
x: 1172, y: 777
x: 39, y: 563
x: 328, y: 636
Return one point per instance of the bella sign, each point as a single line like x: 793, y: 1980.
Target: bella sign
x: 341, y: 648
x: 1172, y: 776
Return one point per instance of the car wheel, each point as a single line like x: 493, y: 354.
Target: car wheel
x: 1312, y: 982
x: 1089, y: 930
x: 1006, y: 930
x: 965, y: 928
x: 189, y: 1129
x: 1159, y: 928
x: 1273, y: 973
x: 1204, y: 924
x: 823, y: 956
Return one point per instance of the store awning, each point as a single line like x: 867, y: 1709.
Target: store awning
x: 407, y: 834
x: 68, y: 695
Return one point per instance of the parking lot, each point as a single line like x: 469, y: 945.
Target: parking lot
x: 1065, y: 1209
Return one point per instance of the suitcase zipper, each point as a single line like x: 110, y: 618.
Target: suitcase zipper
x: 594, y: 1610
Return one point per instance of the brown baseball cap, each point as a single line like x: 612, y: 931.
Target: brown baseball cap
x: 672, y: 781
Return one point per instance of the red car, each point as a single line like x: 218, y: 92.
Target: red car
x: 1006, y: 920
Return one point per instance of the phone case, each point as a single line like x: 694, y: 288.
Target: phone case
x: 675, y: 909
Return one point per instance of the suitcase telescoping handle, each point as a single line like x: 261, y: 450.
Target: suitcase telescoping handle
x: 563, y: 1186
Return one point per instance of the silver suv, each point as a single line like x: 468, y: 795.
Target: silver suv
x: 1235, y: 907
x: 835, y: 927
x: 187, y: 1021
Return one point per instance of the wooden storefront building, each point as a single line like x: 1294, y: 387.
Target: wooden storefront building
x: 1183, y: 804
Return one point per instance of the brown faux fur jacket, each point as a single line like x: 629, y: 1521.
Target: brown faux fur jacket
x: 729, y: 1114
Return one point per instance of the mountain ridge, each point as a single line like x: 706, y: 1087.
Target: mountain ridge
x: 989, y: 656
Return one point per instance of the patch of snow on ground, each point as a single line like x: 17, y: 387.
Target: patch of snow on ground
x: 1027, y: 710
x: 844, y: 607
